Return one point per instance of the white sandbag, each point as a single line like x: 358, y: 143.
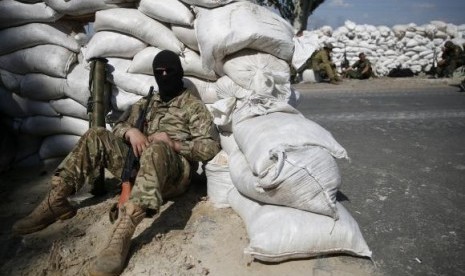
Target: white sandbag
x: 139, y: 25
x: 122, y: 100
x: 133, y: 83
x: 83, y: 7
x: 70, y: 107
x: 308, y: 181
x: 260, y: 72
x: 187, y: 36
x: 57, y: 145
x: 14, y: 105
x: 10, y: 81
x: 168, y: 11
x: 227, y: 142
x: 227, y: 88
x: 34, y: 34
x: 221, y: 32
x: 203, y: 89
x: 43, y: 87
x: 208, y: 3
x: 112, y: 44
x: 192, y: 64
x: 222, y: 111
x: 15, y: 13
x: 142, y: 61
x: 308, y: 75
x: 218, y: 180
x: 45, y: 126
x: 49, y: 59
x: 304, y: 46
x: 278, y: 233
x: 261, y: 127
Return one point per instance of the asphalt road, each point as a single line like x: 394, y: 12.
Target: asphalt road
x: 405, y: 183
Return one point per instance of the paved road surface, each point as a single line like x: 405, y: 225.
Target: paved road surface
x: 405, y: 184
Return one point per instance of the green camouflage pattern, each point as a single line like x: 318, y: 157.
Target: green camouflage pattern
x: 163, y: 172
x: 321, y: 62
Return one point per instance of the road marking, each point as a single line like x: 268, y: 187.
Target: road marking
x: 392, y: 115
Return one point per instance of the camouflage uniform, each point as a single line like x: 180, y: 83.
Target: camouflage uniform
x: 451, y: 60
x: 359, y: 66
x: 321, y: 62
x: 163, y: 172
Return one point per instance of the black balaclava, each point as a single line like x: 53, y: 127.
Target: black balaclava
x: 171, y: 84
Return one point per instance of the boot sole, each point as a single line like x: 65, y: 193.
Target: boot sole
x: 31, y: 230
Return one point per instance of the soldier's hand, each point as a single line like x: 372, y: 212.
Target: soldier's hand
x: 164, y: 137
x: 138, y: 141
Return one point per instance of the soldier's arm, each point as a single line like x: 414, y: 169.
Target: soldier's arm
x: 203, y: 146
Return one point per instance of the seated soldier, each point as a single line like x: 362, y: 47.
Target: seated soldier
x: 451, y: 60
x: 361, y: 69
x: 321, y: 63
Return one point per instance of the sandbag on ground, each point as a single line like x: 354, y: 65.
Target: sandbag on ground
x: 308, y: 181
x: 278, y: 233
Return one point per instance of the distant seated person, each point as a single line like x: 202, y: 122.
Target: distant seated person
x: 452, y: 58
x: 361, y: 69
x: 323, y: 65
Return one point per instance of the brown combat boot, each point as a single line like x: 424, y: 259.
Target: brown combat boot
x: 54, y: 206
x: 112, y: 259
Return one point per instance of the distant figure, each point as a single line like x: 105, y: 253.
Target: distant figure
x: 451, y: 60
x: 322, y: 64
x: 361, y: 69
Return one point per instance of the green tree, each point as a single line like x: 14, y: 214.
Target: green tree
x: 294, y: 11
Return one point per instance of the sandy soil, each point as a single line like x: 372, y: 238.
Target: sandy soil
x: 189, y: 237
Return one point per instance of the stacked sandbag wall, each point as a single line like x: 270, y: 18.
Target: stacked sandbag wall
x: 405, y: 46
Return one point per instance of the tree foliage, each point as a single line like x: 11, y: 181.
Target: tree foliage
x: 294, y: 11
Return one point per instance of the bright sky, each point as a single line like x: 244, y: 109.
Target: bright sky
x: 387, y: 12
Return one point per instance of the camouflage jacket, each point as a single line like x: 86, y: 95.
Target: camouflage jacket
x: 453, y: 54
x: 320, y: 57
x: 360, y: 65
x: 185, y: 119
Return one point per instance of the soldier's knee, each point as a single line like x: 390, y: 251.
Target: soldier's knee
x: 93, y: 132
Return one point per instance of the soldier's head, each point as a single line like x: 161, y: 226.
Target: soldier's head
x: 448, y: 44
x: 328, y: 46
x: 168, y: 73
x: 361, y: 56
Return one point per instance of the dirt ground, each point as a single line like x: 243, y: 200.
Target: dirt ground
x: 189, y: 237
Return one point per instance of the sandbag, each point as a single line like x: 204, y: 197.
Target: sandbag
x: 262, y: 128
x: 168, y: 11
x: 14, y: 105
x: 139, y: 25
x: 227, y: 88
x: 187, y: 36
x: 57, y: 145
x: 122, y: 100
x: 70, y: 107
x: 208, y: 3
x: 15, y: 13
x: 204, y: 90
x: 83, y: 7
x: 112, y: 44
x: 34, y: 34
x: 218, y: 180
x: 133, y: 83
x: 260, y: 72
x: 10, y: 81
x: 278, y: 233
x: 45, y: 126
x: 221, y: 32
x: 48, y: 59
x: 308, y: 181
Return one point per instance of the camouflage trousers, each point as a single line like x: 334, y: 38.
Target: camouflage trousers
x: 162, y: 172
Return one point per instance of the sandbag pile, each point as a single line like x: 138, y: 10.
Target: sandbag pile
x: 405, y: 46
